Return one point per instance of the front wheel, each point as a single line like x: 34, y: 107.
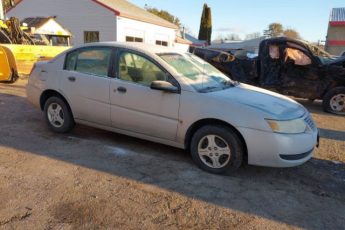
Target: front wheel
x: 334, y: 101
x: 58, y: 116
x: 217, y: 149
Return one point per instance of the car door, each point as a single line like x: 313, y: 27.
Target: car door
x: 271, y: 60
x: 135, y: 106
x: 300, y: 74
x: 86, y: 82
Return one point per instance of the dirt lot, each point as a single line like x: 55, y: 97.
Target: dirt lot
x: 96, y: 179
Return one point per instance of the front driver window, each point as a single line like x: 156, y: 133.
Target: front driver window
x: 138, y: 69
x: 297, y: 56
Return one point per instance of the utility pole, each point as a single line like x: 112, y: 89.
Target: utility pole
x: 2, y: 17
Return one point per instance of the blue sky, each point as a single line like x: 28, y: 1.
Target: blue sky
x: 308, y: 17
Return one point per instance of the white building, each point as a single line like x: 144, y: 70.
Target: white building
x: 102, y: 20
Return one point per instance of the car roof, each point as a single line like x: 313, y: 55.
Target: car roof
x: 138, y: 46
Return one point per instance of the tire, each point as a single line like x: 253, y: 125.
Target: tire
x: 58, y: 115
x: 227, y: 150
x: 334, y: 101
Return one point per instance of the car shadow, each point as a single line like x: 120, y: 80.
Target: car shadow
x: 332, y: 134
x: 283, y: 195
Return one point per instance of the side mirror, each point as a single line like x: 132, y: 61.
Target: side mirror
x: 164, y: 86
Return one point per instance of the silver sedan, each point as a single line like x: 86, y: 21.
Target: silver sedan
x: 170, y: 97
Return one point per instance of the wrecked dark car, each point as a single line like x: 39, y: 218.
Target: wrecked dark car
x: 289, y: 67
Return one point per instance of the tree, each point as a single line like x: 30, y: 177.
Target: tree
x: 7, y: 4
x: 228, y: 37
x: 205, y: 32
x: 232, y: 37
x: 277, y: 30
x: 164, y: 14
x: 188, y: 30
x: 291, y: 33
x: 274, y: 30
x: 253, y: 35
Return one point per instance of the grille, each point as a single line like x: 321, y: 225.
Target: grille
x: 310, y: 122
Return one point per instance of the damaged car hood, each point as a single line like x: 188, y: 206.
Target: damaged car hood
x: 339, y: 60
x: 276, y: 106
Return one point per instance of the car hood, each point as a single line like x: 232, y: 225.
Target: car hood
x: 337, y: 61
x: 274, y: 105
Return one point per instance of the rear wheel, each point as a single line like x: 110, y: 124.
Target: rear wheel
x: 217, y: 149
x: 58, y: 116
x: 334, y: 101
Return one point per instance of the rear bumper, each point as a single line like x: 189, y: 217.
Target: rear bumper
x: 278, y: 150
x: 33, y: 95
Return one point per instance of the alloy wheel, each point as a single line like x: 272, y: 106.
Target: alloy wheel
x: 55, y: 115
x: 337, y: 103
x: 214, y: 151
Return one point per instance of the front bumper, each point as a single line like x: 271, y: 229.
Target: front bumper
x: 295, y: 157
x: 279, y: 150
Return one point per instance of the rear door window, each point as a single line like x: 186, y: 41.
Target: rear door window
x: 71, y: 61
x: 94, y: 61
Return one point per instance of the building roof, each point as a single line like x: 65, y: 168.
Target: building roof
x: 15, y: 2
x: 182, y: 41
x: 246, y: 44
x: 35, y: 22
x: 42, y: 26
x: 337, y: 15
x: 128, y: 10
x: 195, y: 41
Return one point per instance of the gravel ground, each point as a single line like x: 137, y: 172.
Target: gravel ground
x: 93, y: 179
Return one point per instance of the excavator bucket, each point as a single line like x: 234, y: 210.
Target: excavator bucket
x: 8, y: 67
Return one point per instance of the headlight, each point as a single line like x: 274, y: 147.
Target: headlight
x: 290, y: 126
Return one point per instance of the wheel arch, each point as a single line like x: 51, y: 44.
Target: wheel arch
x: 212, y: 121
x: 331, y: 86
x: 50, y: 93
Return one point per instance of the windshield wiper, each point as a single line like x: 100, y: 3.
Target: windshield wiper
x: 230, y: 83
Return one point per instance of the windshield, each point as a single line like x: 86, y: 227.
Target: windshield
x: 198, y: 73
x: 321, y: 54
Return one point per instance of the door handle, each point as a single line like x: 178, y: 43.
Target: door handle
x: 122, y: 89
x: 71, y: 78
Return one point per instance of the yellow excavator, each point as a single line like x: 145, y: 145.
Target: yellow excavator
x: 19, y: 50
